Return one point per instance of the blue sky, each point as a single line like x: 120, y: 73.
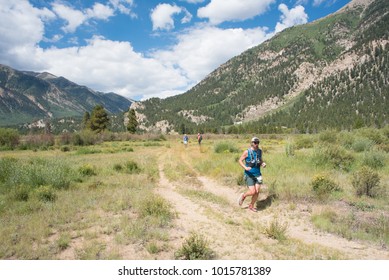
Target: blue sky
x: 142, y: 49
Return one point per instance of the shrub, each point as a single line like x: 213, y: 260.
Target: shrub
x: 36, y: 172
x: 373, y: 159
x: 85, y: 138
x: 322, y: 185
x: 155, y: 206
x: 132, y: 167
x: 195, y: 247
x: 362, y: 144
x: 289, y: 149
x: 225, y: 147
x: 328, y: 136
x: 9, y: 138
x: 8, y: 166
x: 46, y: 194
x: 304, y: 142
x: 39, y: 141
x: 335, y: 156
x: 117, y: 167
x: 276, y: 230
x: 20, y: 193
x: 365, y: 181
x: 87, y: 170
x: 65, y: 138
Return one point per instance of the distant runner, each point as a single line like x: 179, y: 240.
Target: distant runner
x: 199, y: 138
x: 186, y: 140
x: 251, y: 161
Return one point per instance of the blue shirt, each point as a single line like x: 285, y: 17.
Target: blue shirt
x: 255, y: 156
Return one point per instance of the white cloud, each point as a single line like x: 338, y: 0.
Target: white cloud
x: 100, y: 11
x: 193, y: 1
x: 318, y: 2
x: 21, y: 28
x: 162, y: 16
x: 73, y: 17
x: 218, y: 11
x: 113, y: 66
x: 203, y: 49
x: 291, y: 17
x: 123, y: 6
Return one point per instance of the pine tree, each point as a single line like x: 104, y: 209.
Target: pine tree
x: 132, y: 121
x: 99, y: 119
x: 86, y: 124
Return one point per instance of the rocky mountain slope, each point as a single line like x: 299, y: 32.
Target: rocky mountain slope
x: 28, y: 96
x: 331, y: 73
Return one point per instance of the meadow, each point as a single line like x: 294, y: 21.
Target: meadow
x: 150, y: 197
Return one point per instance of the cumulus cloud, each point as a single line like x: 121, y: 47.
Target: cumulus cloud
x: 75, y: 18
x: 193, y: 1
x: 201, y: 50
x: 291, y: 17
x: 108, y: 65
x: 114, y: 66
x: 162, y: 16
x: 218, y: 11
x: 21, y: 28
x: 123, y: 6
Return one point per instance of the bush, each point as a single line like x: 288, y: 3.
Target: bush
x: 362, y: 144
x: 289, y: 149
x: 365, y: 182
x: 85, y: 138
x: 132, y: 167
x: 276, y: 230
x: 373, y: 159
x: 38, y: 141
x: 328, y: 136
x: 36, y: 172
x: 157, y: 208
x: 225, y: 147
x: 9, y: 138
x: 335, y: 156
x: 196, y: 247
x: 322, y: 185
x: 87, y: 170
x: 46, y: 194
x: 304, y: 142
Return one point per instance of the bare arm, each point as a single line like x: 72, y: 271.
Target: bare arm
x: 242, y: 161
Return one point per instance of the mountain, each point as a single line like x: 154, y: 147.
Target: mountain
x: 331, y: 73
x: 28, y: 96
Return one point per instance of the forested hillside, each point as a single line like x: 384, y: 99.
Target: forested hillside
x: 332, y: 73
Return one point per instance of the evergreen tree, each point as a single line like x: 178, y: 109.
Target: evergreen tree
x: 86, y: 124
x: 99, y: 119
x: 132, y: 122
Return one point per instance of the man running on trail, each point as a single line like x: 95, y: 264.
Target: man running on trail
x: 251, y: 161
x: 199, y: 138
x: 185, y: 140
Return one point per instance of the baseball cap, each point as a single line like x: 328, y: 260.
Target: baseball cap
x: 255, y: 139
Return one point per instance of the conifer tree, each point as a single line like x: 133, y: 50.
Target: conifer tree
x: 99, y: 119
x: 132, y: 121
x: 86, y: 121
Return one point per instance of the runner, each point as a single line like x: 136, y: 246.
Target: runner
x: 251, y: 161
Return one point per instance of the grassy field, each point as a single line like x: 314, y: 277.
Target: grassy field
x: 102, y: 201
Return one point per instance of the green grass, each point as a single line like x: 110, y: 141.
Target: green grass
x: 90, y: 205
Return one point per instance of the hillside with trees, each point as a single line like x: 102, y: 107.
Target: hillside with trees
x: 332, y: 73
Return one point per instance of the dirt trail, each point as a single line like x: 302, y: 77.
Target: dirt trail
x: 235, y: 232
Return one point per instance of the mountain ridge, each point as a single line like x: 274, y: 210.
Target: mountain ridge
x: 27, y: 96
x: 274, y: 75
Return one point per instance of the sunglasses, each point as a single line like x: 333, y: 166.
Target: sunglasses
x: 256, y: 142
